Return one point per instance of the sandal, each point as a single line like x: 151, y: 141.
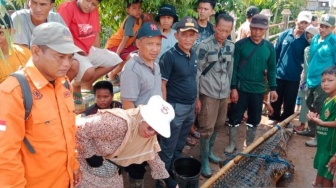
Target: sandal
x: 191, y: 141
x: 195, y: 135
x: 78, y: 98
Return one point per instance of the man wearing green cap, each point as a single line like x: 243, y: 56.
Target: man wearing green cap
x: 322, y: 55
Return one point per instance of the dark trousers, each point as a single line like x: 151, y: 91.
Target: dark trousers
x: 171, y: 148
x: 287, y: 92
x: 136, y: 171
x: 315, y: 99
x: 252, y: 102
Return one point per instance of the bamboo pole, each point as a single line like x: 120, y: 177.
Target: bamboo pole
x: 251, y: 147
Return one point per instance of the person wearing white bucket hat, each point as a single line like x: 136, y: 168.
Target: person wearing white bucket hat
x: 116, y: 137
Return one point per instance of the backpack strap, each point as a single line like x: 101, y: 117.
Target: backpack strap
x: 26, y: 92
x: 27, y: 101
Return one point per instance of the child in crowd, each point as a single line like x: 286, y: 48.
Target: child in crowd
x: 166, y: 17
x: 103, y: 92
x: 326, y: 129
x: 82, y: 18
x: 122, y: 42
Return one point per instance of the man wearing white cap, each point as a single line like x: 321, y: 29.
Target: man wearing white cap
x: 289, y: 58
x: 117, y: 137
x: 39, y: 151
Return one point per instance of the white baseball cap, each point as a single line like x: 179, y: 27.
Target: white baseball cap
x: 158, y: 114
x: 304, y: 16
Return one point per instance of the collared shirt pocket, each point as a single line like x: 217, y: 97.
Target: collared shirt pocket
x: 46, y: 125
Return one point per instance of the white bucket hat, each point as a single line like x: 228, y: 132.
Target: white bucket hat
x: 158, y: 114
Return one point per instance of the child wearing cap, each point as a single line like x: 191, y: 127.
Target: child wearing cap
x: 103, y: 92
x: 116, y: 137
x: 122, y: 42
x: 166, y: 17
x: 82, y: 18
x: 13, y: 56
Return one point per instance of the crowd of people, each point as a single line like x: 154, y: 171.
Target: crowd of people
x: 174, y: 74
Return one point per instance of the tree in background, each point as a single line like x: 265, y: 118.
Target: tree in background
x: 113, y: 12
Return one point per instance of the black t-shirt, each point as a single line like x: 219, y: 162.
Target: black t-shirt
x: 180, y: 71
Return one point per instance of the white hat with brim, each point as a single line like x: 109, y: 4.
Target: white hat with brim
x: 56, y: 36
x: 305, y: 16
x: 158, y: 114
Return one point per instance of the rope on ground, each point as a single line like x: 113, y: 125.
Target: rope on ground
x: 274, y: 158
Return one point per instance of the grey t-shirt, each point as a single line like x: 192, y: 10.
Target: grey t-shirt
x: 167, y: 43
x: 138, y: 82
x: 24, y: 26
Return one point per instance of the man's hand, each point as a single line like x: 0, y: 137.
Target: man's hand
x: 273, y: 96
x: 198, y: 106
x: 234, y: 95
x: 77, y: 177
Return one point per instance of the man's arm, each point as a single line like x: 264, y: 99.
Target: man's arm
x: 202, y: 62
x: 127, y: 104
x: 12, y: 132
x: 271, y: 75
x: 128, y: 32
x: 271, y: 69
x: 164, y: 89
x: 122, y: 44
x: 97, y: 41
x: 230, y: 66
x: 234, y: 82
x: 278, y: 46
x: 158, y: 170
x: 129, y: 88
x: 166, y: 65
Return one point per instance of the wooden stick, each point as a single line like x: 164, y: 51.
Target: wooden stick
x: 251, y: 147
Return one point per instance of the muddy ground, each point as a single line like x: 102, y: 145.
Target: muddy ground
x: 300, y: 155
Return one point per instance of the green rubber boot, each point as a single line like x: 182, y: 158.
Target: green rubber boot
x: 212, y: 157
x: 232, y: 140
x: 250, y: 135
x: 206, y: 171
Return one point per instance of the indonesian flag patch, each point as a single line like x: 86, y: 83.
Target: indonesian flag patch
x: 2, y: 125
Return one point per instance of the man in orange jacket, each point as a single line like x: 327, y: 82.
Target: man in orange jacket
x: 50, y: 126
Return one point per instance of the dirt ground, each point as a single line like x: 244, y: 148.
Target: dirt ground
x: 300, y: 155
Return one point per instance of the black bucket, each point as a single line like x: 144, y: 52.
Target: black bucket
x: 186, y: 172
